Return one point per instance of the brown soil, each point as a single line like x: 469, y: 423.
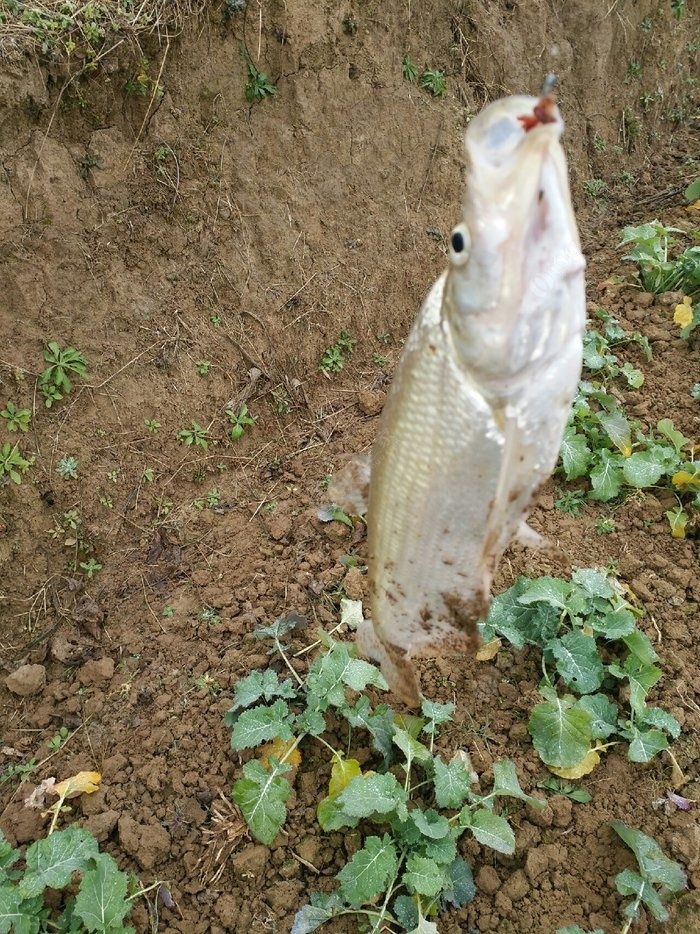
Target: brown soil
x: 320, y: 210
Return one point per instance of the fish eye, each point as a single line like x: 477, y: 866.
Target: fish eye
x: 459, y: 245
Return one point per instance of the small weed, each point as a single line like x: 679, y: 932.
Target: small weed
x: 233, y: 7
x: 240, y: 420
x: 595, y: 187
x: 557, y: 786
x: 152, y: 425
x: 215, y: 321
x: 55, y: 382
x: 604, y: 525
x: 59, y: 739
x: 333, y: 359
x: 433, y: 80
x: 195, y: 436
x: 646, y: 101
x: 655, y: 869
x: 258, y: 86
x: 91, y: 567
x: 207, y: 683
x: 409, y: 69
x: 148, y: 474
x: 572, y: 502
x: 141, y: 84
x: 349, y: 25
x: 281, y: 402
x: 634, y: 69
x: 67, y: 467
x: 113, y: 475
x: 167, y: 612
x: 203, y: 367
x: 628, y: 179
x: 107, y: 502
x: 678, y: 8
x: 695, y: 391
x: 599, y: 143
x: 210, y: 615
x: 647, y: 24
x: 213, y: 498
x: 379, y: 359
x: 21, y: 770
x: 658, y: 271
x: 17, y: 419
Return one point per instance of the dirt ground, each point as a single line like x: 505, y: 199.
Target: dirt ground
x: 158, y: 232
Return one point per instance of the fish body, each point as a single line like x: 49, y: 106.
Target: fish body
x: 478, y: 405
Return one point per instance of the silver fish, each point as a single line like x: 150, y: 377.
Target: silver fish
x: 478, y: 405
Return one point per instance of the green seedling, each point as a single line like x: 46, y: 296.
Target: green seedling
x: 379, y: 360
x: 152, y: 425
x: 210, y: 615
x: 557, y: 786
x: 628, y: 179
x: 17, y: 419
x: 91, y: 567
x: 634, y: 69
x: 604, y: 525
x: 595, y: 187
x: 409, y: 69
x: 215, y: 321
x: 59, y: 739
x: 208, y: 684
x: 656, y: 878
x: 203, y: 367
x: 240, y: 420
x: 407, y: 809
x: 433, y: 80
x: 334, y: 357
x: 678, y: 8
x: 67, y: 467
x: 258, y: 86
x: 195, y: 436
x: 572, y: 502
x: 107, y: 502
x: 21, y: 770
x: 12, y: 464
x: 148, y: 474
x: 213, y: 497
x: 692, y: 192
x: 232, y: 7
x: 113, y: 475
x: 281, y: 402
x: 598, y: 668
x: 659, y: 271
x: 695, y: 391
x: 55, y: 381
x: 141, y: 84
x: 167, y: 612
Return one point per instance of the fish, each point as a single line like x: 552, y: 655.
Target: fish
x: 478, y: 405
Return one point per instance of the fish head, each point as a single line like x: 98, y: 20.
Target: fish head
x: 514, y: 291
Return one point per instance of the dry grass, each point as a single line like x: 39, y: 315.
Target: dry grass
x: 86, y: 32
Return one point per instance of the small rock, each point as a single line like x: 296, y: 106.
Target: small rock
x: 251, y: 861
x: 654, y: 334
x: 536, y: 862
x: 517, y: 886
x: 562, y: 810
x: 370, y: 403
x: 487, y: 880
x: 102, y: 825
x: 354, y: 584
x: 644, y: 299
x: 149, y: 844
x: 540, y: 817
x: 27, y: 680
x: 201, y: 578
x: 95, y: 672
x: 279, y: 526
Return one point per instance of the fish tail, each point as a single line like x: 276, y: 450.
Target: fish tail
x: 395, y: 664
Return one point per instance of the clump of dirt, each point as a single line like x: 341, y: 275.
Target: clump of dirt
x: 202, y: 252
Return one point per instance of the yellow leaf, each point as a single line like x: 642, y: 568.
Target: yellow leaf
x: 279, y: 748
x: 84, y: 783
x: 342, y: 772
x: 683, y: 313
x: 488, y: 651
x: 586, y: 765
x: 684, y: 479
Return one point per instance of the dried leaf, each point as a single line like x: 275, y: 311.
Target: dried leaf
x: 488, y: 651
x: 84, y: 783
x: 279, y: 748
x: 37, y: 799
x: 586, y: 765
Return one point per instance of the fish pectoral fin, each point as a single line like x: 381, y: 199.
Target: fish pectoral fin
x: 395, y: 664
x: 349, y: 488
x: 528, y: 537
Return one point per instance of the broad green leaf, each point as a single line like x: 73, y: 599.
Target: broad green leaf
x: 425, y: 927
x: 551, y: 590
x: 460, y: 889
x: 561, y: 732
x: 331, y: 815
x: 493, y: 830
x: 653, y: 862
x: 261, y: 796
x: 658, y: 717
x: 411, y: 748
x: 578, y: 661
x: 452, y: 782
x: 615, y: 625
x: 575, y: 454
x: 618, y: 430
x: 379, y: 723
x: 265, y: 684
x: 11, y: 912
x: 634, y: 377
x: 629, y: 882
x: 331, y: 672
x: 668, y: 429
x: 52, y: 860
x: 310, y: 721
x: 606, y: 477
x: 436, y: 714
x: 8, y: 856
x: 423, y: 876
x: 641, y: 677
x: 506, y: 784
x: 259, y: 724
x: 594, y: 582
x: 430, y: 823
x: 692, y: 192
x: 642, y: 469
x: 604, y: 715
x: 366, y: 795
x: 646, y: 744
x: 101, y: 902
x: 351, y: 613
x: 443, y: 851
x: 641, y: 648
x: 405, y: 910
x: 369, y: 872
x: 309, y: 918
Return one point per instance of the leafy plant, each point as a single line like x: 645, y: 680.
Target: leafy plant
x: 333, y: 359
x: 557, y: 786
x: 595, y: 187
x: 634, y: 69
x: 240, y: 420
x: 433, y: 80
x: 692, y: 192
x: 195, y: 436
x: 658, y: 271
x: 55, y: 381
x: 604, y: 525
x: 152, y: 425
x: 678, y: 8
x: 409, y: 69
x: 572, y: 502
x: 91, y: 567
x: 17, y: 419
x: 258, y: 86
x: 203, y: 367
x: 59, y: 739
x: 591, y: 647
x: 12, y: 464
x: 655, y: 869
x: 141, y: 84
x: 68, y: 467
x: 407, y: 868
